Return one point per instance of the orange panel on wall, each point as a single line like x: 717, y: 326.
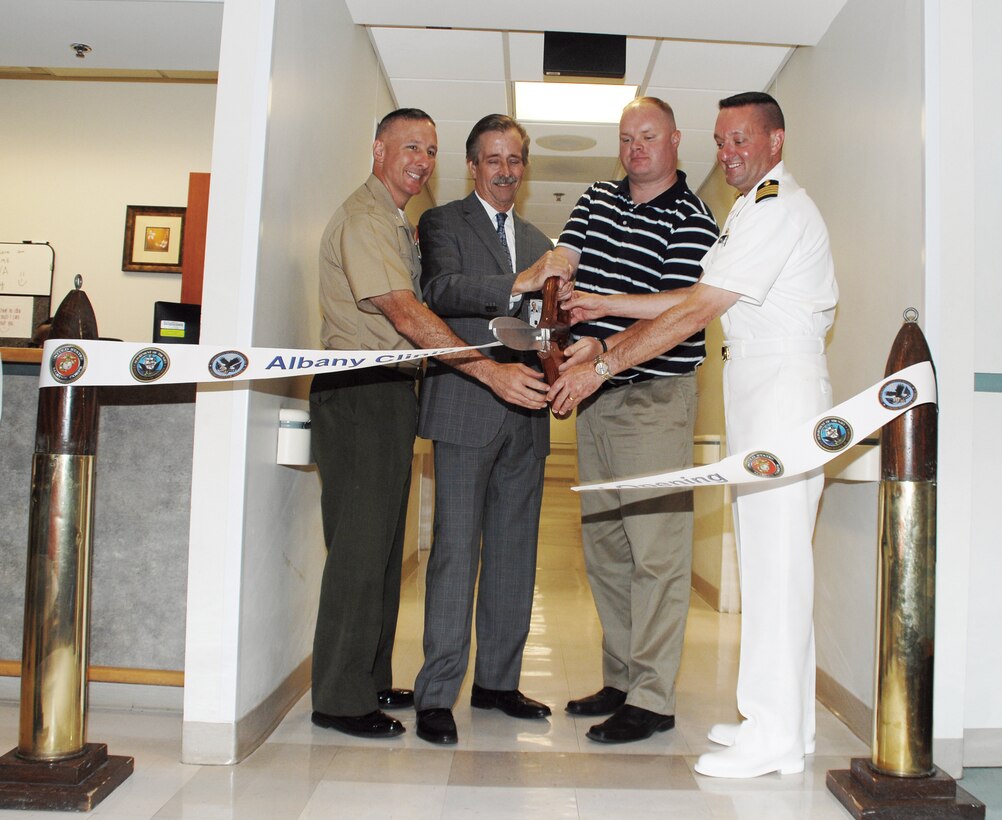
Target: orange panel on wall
x: 193, y: 252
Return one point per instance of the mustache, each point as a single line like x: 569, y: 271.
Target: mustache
x: 502, y: 179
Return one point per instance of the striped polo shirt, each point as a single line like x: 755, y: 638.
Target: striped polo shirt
x: 647, y: 247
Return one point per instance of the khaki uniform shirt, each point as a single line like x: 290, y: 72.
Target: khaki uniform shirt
x: 367, y: 249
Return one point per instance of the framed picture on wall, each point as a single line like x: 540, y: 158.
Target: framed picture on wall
x: 153, y: 238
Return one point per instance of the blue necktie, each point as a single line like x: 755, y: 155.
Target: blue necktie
x: 504, y: 239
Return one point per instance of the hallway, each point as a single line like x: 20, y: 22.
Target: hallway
x: 502, y: 768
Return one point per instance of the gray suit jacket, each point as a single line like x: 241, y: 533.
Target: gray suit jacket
x: 466, y: 279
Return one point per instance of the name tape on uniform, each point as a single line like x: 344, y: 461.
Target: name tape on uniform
x: 86, y: 363
x: 806, y: 447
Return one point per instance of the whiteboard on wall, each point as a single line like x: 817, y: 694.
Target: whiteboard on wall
x: 26, y: 268
x: 25, y: 289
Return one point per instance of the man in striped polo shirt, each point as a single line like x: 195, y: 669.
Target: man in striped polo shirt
x: 643, y: 235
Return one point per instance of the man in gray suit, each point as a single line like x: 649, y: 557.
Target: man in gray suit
x: 489, y: 454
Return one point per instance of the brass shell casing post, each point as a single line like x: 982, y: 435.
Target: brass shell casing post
x: 56, y: 606
x: 900, y: 779
x: 902, y: 718
x: 906, y: 579
x: 57, y: 582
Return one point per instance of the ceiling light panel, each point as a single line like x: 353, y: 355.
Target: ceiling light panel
x: 571, y: 102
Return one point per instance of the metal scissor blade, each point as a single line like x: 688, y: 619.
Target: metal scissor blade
x: 519, y: 335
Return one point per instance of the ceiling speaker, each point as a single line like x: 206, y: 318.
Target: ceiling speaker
x: 566, y: 54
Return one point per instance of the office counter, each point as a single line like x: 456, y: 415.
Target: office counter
x: 141, y: 516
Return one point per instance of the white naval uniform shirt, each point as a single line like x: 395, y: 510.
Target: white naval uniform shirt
x: 775, y: 253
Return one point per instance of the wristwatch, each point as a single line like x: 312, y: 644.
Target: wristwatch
x: 602, y: 368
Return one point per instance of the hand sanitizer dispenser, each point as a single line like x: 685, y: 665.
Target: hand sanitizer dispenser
x: 294, y: 438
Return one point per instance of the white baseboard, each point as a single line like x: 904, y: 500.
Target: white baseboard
x: 228, y: 743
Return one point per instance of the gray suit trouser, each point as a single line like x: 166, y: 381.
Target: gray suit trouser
x: 363, y: 442
x: 487, y: 502
x: 638, y: 543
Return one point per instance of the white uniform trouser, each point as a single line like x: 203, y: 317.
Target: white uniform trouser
x: 765, y: 394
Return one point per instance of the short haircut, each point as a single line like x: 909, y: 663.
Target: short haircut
x: 413, y: 114
x: 772, y: 114
x: 657, y: 102
x: 495, y: 122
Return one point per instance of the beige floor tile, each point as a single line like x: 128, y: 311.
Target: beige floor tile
x: 571, y: 770
x: 505, y: 804
x: 501, y: 767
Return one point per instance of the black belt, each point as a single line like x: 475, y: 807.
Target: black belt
x: 380, y: 374
x: 613, y: 383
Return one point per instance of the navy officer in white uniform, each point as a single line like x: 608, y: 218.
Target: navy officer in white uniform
x: 771, y: 280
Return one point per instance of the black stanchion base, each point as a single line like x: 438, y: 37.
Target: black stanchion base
x: 867, y: 794
x: 76, y: 784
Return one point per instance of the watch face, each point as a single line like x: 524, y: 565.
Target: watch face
x: 601, y: 368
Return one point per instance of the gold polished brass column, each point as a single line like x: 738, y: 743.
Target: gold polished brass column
x: 56, y: 607
x: 899, y: 779
x: 53, y: 766
x: 57, y: 581
x: 906, y: 584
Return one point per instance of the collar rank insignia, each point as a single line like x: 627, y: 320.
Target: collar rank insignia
x: 767, y: 190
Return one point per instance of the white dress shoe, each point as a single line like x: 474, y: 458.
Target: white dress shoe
x: 738, y: 763
x: 724, y: 734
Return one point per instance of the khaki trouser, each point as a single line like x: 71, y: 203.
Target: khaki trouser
x: 638, y: 543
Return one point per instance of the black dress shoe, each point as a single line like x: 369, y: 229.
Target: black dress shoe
x: 629, y: 723
x: 436, y: 726
x: 510, y: 701
x: 395, y: 698
x: 604, y: 702
x: 374, y: 724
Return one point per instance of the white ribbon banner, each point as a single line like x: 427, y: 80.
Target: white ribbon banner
x: 87, y: 363
x: 806, y: 447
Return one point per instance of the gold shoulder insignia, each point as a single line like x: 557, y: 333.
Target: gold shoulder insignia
x: 767, y: 190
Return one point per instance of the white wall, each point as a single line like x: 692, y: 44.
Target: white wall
x: 854, y: 118
x: 853, y: 107
x: 296, y: 115
x: 73, y: 155
x: 891, y: 121
x: 983, y: 704
x: 887, y: 119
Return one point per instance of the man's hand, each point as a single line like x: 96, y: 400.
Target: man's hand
x: 549, y: 264
x: 516, y: 384
x: 584, y: 350
x: 574, y: 385
x: 583, y: 307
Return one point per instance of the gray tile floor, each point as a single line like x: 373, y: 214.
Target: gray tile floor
x: 501, y: 768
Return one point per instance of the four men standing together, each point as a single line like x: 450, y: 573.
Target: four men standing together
x: 635, y: 250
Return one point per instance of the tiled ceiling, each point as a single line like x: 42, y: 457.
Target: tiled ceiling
x: 459, y: 75
x: 453, y: 60
x: 458, y: 60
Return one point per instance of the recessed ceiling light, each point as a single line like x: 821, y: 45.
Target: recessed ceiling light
x: 571, y: 102
x: 565, y: 142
